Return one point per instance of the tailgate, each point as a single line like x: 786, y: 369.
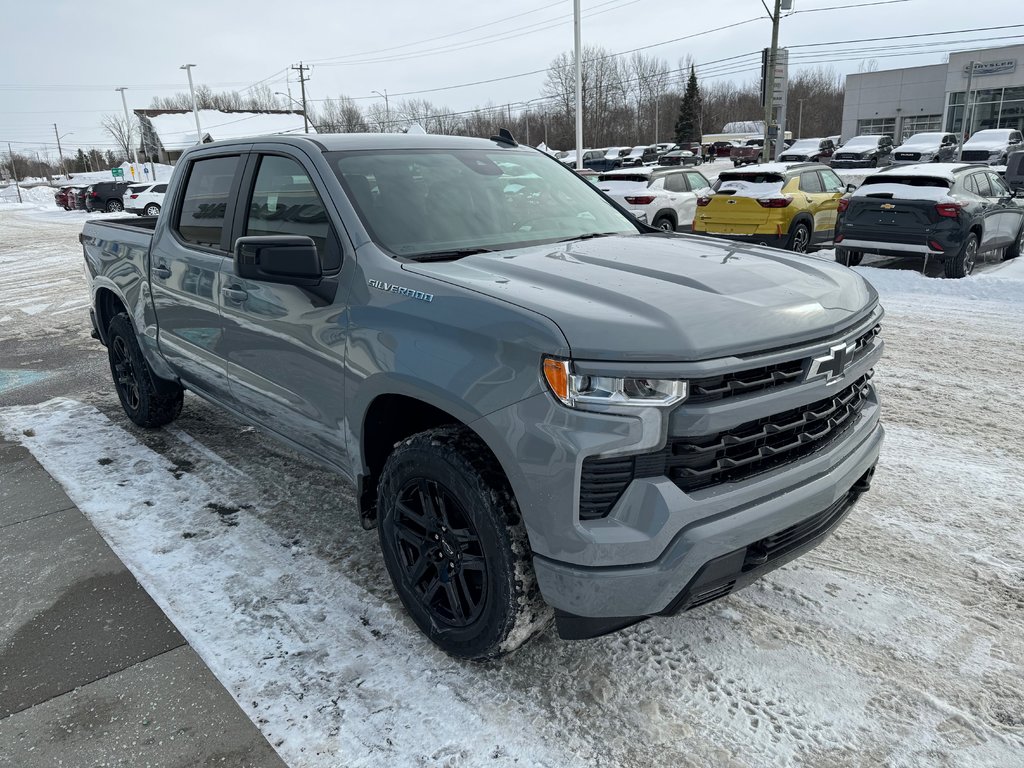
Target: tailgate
x: 731, y: 215
x: 887, y: 212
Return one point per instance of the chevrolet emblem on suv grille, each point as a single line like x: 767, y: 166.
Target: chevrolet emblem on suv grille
x: 832, y: 365
x: 887, y: 206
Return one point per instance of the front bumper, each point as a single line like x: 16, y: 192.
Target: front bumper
x: 869, y: 163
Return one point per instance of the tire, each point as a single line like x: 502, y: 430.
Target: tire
x: 114, y: 206
x: 874, y: 162
x: 143, y: 402
x: 151, y: 210
x: 962, y: 264
x: 849, y: 258
x: 664, y: 223
x: 758, y: 160
x: 799, y: 238
x: 1015, y: 250
x: 455, y: 546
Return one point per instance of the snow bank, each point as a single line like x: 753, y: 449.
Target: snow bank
x: 29, y: 195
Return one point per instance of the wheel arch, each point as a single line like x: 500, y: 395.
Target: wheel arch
x: 107, y: 304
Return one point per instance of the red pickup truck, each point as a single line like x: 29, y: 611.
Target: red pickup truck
x: 750, y: 152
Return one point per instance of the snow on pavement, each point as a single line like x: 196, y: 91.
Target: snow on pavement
x: 897, y: 642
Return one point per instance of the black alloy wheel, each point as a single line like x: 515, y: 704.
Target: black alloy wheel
x: 962, y: 264
x: 125, y: 378
x: 800, y: 238
x: 440, y: 553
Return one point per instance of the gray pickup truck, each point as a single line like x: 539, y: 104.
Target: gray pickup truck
x: 545, y: 407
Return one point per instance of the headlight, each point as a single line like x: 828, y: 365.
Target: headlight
x: 575, y: 390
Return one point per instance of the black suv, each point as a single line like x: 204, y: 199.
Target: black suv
x: 944, y: 210
x: 106, y: 196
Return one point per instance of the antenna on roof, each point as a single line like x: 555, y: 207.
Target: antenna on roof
x: 505, y: 137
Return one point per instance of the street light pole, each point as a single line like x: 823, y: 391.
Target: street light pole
x: 769, y: 83
x: 800, y: 120
x: 127, y: 126
x: 387, y: 108
x: 195, y: 110
x: 577, y: 33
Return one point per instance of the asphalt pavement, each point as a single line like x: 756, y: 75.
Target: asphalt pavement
x: 92, y: 673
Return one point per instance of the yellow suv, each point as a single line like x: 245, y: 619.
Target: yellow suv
x: 786, y: 205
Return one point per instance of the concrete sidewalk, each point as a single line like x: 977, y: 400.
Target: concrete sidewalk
x: 92, y: 673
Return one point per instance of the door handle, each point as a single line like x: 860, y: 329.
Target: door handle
x: 234, y: 294
x: 162, y: 271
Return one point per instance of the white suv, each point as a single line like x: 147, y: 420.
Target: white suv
x: 145, y: 199
x: 667, y: 195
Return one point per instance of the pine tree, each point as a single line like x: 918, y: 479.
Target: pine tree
x: 688, y: 123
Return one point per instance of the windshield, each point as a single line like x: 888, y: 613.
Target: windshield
x: 989, y: 137
x: 419, y: 202
x: 924, y: 140
x: 805, y: 145
x: 862, y: 141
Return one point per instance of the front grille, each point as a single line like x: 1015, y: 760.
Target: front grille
x: 847, y: 156
x: 743, y: 382
x: 974, y: 156
x: 908, y: 155
x: 757, y: 446
x: 693, y: 463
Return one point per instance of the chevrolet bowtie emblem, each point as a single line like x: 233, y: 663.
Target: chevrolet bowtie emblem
x: 834, y: 364
x: 887, y: 206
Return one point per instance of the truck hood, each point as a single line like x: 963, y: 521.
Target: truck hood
x: 668, y: 297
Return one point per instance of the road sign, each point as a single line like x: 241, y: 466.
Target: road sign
x: 117, y: 172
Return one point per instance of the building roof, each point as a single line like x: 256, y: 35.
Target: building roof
x: 176, y: 129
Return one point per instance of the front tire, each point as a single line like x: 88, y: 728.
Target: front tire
x: 455, y: 546
x: 799, y: 238
x: 143, y: 401
x: 1017, y: 248
x: 962, y: 264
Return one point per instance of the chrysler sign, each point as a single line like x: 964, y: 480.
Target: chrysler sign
x: 981, y: 68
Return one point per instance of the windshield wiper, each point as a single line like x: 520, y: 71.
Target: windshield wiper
x: 450, y: 255
x: 590, y: 236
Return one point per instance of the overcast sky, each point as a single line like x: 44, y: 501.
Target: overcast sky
x: 60, y: 60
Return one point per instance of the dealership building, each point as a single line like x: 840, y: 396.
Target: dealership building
x: 902, y: 102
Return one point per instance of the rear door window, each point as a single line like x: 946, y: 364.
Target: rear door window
x: 285, y: 202
x: 205, y: 202
x: 674, y: 183
x: 159, y: 189
x: 981, y: 186
x: 809, y: 182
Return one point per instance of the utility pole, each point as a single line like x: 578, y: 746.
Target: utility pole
x: 579, y: 83
x: 769, y: 83
x: 387, y: 108
x: 128, y: 126
x: 195, y: 109
x: 800, y: 120
x: 302, y: 69
x: 60, y: 154
x: 655, y: 119
x: 967, y: 110
x: 14, y: 170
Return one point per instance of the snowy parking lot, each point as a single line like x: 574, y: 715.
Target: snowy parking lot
x: 897, y: 642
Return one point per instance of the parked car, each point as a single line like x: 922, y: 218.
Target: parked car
x: 751, y: 152
x: 927, y: 148
x: 641, y: 155
x: 723, y: 148
x: 680, y: 157
x: 868, y: 151
x: 60, y: 197
x: 809, y: 151
x: 76, y: 197
x: 546, y: 410
x: 668, y: 196
x: 144, y: 199
x: 785, y: 205
x: 106, y: 196
x: 949, y: 211
x: 665, y: 146
x: 991, y: 146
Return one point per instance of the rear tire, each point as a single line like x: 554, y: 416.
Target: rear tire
x: 849, y: 258
x: 799, y: 238
x: 143, y: 402
x: 962, y: 264
x: 114, y: 206
x: 664, y: 223
x: 152, y: 210
x: 455, y: 546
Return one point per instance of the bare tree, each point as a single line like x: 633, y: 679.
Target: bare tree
x: 122, y: 131
x: 340, y: 115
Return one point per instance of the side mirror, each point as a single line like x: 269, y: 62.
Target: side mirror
x: 288, y: 259
x: 850, y: 188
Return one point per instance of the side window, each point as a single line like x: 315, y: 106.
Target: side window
x: 205, y: 202
x: 832, y: 182
x: 284, y: 202
x: 160, y: 189
x: 674, y: 182
x: 981, y: 183
x: 658, y: 183
x: 999, y: 188
x: 809, y: 182
x: 696, y: 181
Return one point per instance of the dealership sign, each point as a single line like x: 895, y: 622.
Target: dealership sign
x: 1004, y: 67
